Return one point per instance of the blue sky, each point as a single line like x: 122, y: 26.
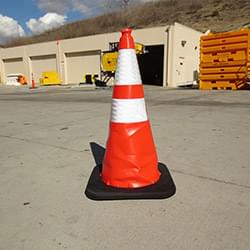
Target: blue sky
x: 27, y: 17
x: 21, y: 11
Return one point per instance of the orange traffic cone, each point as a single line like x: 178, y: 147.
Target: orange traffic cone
x: 32, y: 82
x: 130, y: 167
x: 130, y: 160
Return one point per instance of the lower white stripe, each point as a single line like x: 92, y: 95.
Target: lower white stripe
x: 128, y: 110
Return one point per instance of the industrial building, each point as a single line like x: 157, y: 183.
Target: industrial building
x: 172, y: 56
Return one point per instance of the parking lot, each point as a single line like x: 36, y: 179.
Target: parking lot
x: 46, y: 160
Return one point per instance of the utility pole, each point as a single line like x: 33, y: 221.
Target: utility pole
x: 125, y: 3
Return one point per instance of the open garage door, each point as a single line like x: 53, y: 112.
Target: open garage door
x: 14, y: 65
x: 80, y: 64
x: 41, y: 64
x: 151, y: 65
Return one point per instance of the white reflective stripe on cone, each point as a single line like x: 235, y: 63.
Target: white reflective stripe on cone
x: 128, y: 110
x: 127, y: 69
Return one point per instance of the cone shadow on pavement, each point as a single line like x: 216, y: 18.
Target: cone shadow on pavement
x: 98, y: 152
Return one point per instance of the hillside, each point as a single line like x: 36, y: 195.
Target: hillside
x: 215, y: 15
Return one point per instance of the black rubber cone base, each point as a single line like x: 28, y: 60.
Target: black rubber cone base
x: 98, y: 190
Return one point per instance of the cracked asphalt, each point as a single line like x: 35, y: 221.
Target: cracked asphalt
x: 46, y: 160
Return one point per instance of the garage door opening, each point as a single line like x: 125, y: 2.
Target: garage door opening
x: 14, y: 65
x: 80, y: 64
x: 151, y: 65
x: 41, y: 64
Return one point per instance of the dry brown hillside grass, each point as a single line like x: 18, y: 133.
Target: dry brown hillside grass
x: 215, y: 15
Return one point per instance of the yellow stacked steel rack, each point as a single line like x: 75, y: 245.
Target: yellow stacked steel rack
x: 248, y: 60
x: 225, y: 60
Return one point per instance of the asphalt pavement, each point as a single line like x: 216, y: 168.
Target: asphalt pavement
x: 46, y: 161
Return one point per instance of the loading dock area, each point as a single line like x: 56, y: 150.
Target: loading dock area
x: 81, y: 63
x: 151, y: 65
x: 40, y: 64
x: 14, y: 65
x: 172, y: 56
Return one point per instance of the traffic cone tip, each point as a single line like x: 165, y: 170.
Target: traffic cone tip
x: 126, y: 40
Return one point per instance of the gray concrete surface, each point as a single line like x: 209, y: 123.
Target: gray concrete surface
x: 45, y: 163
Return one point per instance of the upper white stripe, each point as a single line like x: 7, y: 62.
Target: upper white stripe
x: 127, y: 69
x: 128, y: 110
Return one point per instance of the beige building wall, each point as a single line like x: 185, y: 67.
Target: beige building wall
x: 12, y: 60
x: 74, y: 56
x: 183, y: 59
x: 79, y: 64
x: 75, y: 67
x: 39, y: 64
x: 148, y: 36
x: 42, y: 57
x: 180, y: 61
x: 1, y: 68
x: 14, y: 65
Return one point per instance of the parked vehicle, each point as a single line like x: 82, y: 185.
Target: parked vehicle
x: 16, y: 79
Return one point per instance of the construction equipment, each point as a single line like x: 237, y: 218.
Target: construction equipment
x: 225, y: 60
x: 50, y: 78
x: 109, y: 60
x: 89, y: 79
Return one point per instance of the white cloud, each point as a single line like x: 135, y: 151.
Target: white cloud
x: 9, y: 28
x: 47, y: 22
